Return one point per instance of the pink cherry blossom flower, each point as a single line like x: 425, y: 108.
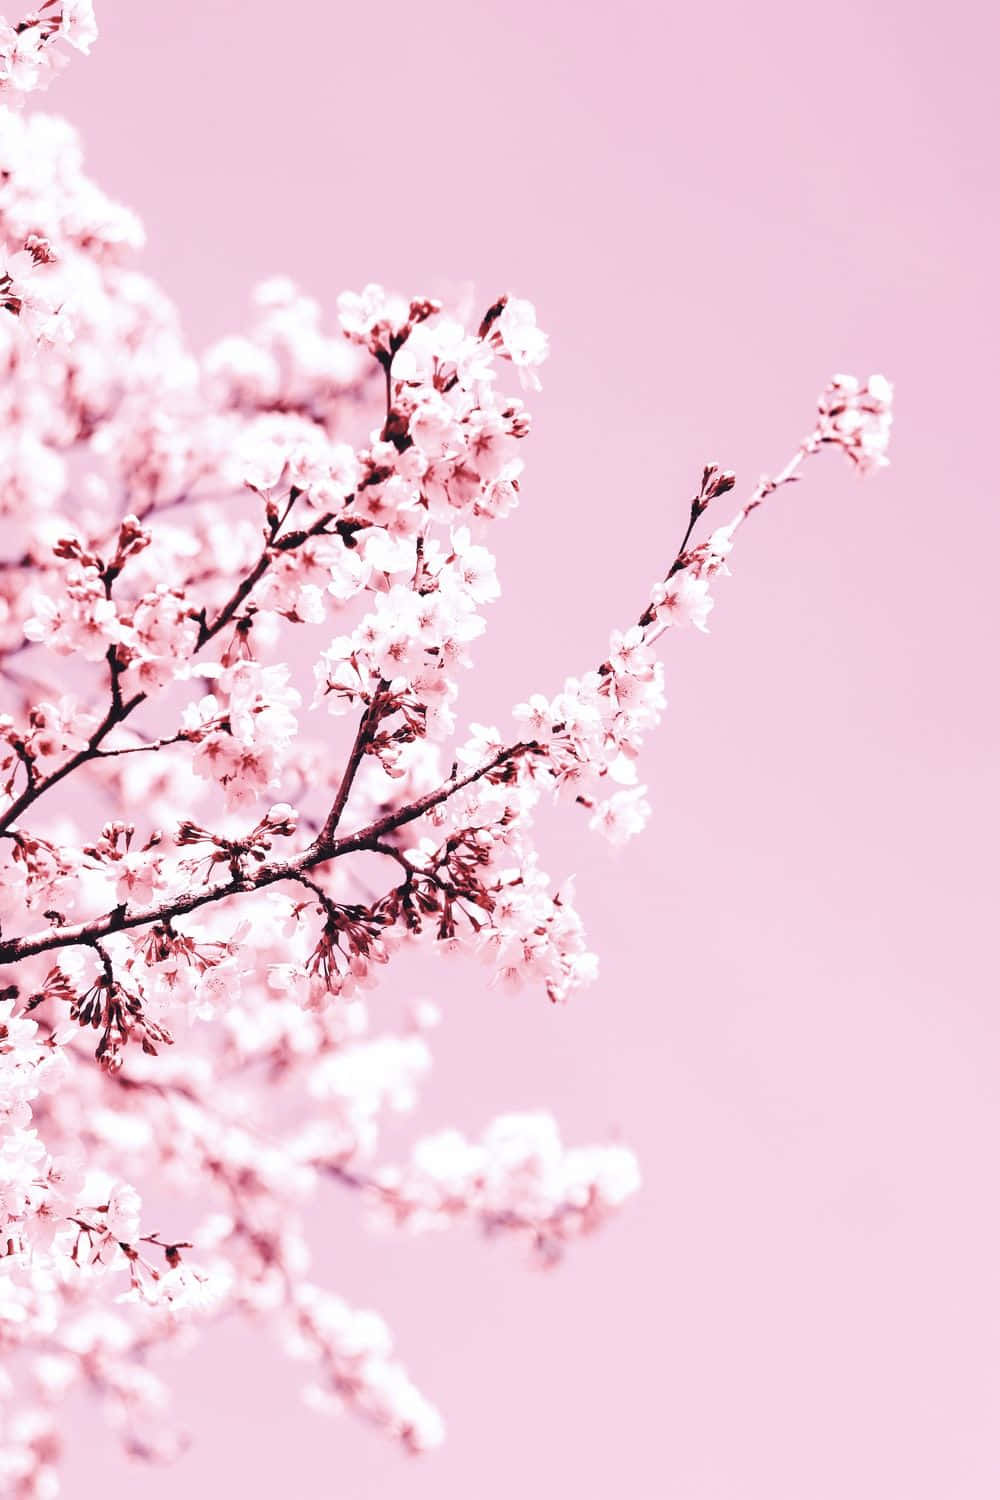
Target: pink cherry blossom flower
x: 77, y: 24
x: 123, y: 1212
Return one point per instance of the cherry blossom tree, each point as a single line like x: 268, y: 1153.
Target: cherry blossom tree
x: 203, y: 560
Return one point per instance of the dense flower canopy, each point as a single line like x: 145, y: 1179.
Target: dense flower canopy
x: 209, y: 562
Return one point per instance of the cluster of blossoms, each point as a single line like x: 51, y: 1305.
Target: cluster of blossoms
x: 204, y: 575
x: 28, y: 60
x: 858, y: 417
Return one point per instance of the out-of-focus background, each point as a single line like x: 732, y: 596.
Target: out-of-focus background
x: 714, y: 208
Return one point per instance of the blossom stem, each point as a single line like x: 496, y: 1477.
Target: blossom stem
x: 362, y: 739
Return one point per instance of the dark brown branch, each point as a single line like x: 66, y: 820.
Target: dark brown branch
x: 319, y: 852
x: 362, y: 739
x: 120, y: 708
x: 31, y: 794
x: 367, y: 838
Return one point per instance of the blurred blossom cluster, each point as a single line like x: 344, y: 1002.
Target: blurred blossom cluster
x: 189, y: 945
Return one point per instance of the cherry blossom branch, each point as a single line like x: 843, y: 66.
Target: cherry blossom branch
x: 276, y: 545
x: 367, y: 837
x: 115, y: 715
x: 766, y: 486
x: 714, y: 483
x: 120, y: 709
x: 362, y: 739
x: 181, y: 737
x: 373, y: 713
x: 318, y: 853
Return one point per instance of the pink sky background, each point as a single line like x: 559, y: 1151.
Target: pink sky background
x: 714, y: 208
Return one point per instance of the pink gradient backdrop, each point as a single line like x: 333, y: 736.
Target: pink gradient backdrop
x: 713, y: 209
